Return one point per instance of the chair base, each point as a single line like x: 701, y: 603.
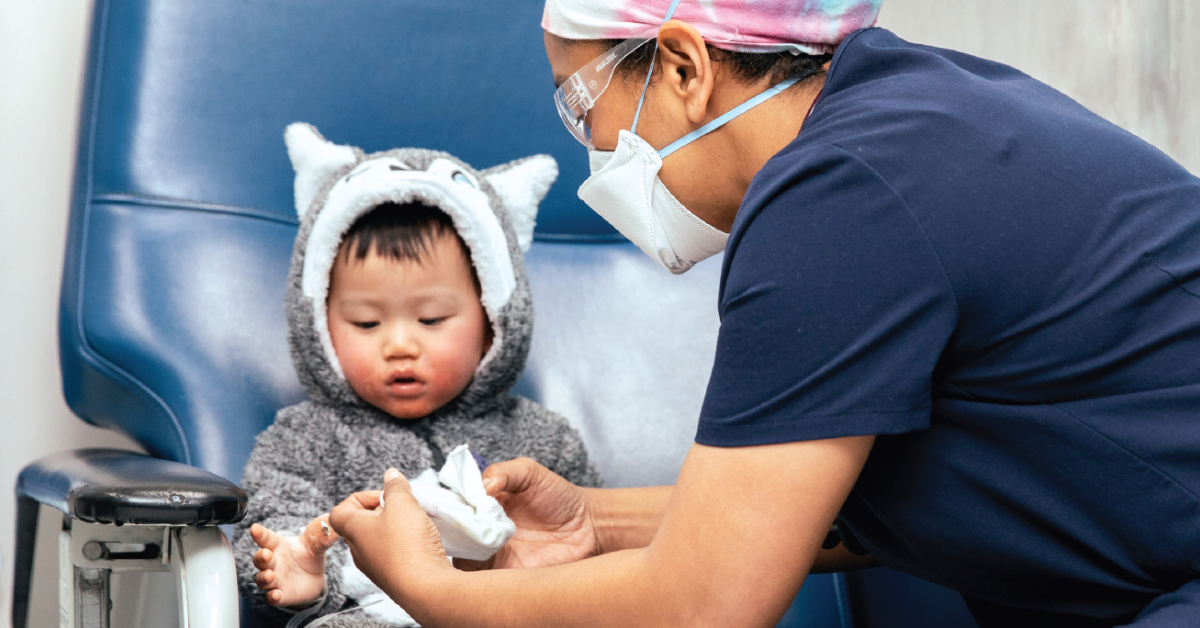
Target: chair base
x: 200, y: 559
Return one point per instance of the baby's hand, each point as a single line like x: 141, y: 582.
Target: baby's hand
x: 291, y: 569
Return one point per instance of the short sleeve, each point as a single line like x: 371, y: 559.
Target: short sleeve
x: 834, y: 309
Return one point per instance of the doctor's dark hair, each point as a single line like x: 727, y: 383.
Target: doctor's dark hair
x: 746, y: 67
x: 403, y: 232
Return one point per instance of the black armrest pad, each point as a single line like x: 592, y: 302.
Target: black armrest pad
x: 118, y: 487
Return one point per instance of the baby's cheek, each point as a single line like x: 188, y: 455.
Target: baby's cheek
x: 453, y: 375
x: 446, y: 385
x: 361, y: 380
x: 356, y: 360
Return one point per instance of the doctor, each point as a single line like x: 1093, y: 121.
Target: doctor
x: 960, y: 316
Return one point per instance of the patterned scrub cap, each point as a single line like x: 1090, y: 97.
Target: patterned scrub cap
x: 800, y: 26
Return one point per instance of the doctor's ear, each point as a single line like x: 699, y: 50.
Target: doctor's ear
x: 687, y: 68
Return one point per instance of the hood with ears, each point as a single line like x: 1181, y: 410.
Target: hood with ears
x: 492, y: 210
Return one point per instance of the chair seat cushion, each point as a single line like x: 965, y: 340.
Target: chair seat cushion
x: 114, y: 486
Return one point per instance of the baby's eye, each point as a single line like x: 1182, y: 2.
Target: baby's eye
x: 366, y: 324
x: 431, y: 322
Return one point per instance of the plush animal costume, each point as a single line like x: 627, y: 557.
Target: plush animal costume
x: 318, y: 452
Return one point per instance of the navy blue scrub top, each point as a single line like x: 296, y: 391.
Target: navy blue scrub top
x: 1004, y: 287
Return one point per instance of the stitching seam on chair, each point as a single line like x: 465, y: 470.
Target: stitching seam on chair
x: 102, y: 363
x: 583, y: 238
x: 252, y: 212
x: 88, y: 352
x: 162, y: 202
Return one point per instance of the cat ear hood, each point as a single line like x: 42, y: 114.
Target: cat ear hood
x: 493, y: 211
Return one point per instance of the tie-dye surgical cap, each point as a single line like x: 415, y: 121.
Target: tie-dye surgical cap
x: 802, y: 26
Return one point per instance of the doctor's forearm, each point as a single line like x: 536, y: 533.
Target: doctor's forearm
x: 639, y: 587
x: 627, y: 518
x: 617, y: 589
x: 728, y: 551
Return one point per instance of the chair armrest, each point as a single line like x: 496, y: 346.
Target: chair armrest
x: 113, y: 486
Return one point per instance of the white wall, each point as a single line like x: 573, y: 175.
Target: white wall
x: 41, y: 56
x: 1132, y: 61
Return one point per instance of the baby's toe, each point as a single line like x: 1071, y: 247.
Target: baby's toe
x: 265, y: 579
x: 264, y: 559
x: 264, y: 536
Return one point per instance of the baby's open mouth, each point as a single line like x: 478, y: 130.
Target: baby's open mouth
x: 405, y: 385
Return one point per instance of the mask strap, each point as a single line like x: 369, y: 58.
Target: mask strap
x: 637, y: 114
x: 726, y: 117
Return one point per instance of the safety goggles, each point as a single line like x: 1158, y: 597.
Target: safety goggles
x: 576, y: 96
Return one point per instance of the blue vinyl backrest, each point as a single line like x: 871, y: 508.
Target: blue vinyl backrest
x: 182, y: 219
x: 193, y: 96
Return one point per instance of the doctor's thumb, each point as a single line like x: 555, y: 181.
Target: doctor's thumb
x: 395, y: 486
x: 512, y: 476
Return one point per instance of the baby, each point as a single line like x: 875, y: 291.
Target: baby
x: 409, y: 320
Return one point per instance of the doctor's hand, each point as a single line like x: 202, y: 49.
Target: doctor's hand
x: 393, y: 545
x: 554, y: 518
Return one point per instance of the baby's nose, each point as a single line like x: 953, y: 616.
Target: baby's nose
x: 401, y: 343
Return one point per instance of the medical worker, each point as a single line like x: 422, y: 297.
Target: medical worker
x: 960, y: 317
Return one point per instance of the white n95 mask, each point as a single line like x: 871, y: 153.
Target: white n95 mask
x: 624, y: 187
x: 625, y: 190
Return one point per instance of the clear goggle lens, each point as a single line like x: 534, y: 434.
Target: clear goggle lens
x: 571, y: 108
x: 576, y: 96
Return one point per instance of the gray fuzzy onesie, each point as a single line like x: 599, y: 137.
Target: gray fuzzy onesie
x: 318, y: 452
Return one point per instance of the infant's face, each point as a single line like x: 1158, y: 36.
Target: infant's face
x: 409, y: 335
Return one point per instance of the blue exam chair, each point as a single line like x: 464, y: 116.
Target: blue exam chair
x: 171, y: 318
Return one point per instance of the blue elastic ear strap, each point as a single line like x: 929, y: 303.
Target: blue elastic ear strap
x: 637, y: 114
x: 725, y: 117
x: 711, y: 126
